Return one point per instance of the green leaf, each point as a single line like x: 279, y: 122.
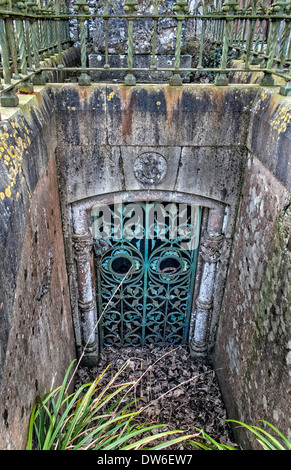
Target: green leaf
x: 266, y: 440
x: 148, y: 439
x: 171, y: 442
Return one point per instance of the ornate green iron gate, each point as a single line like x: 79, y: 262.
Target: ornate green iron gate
x: 150, y: 249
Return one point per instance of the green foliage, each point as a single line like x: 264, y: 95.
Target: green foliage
x: 212, y: 60
x: 267, y: 440
x: 94, y: 417
x: 99, y: 417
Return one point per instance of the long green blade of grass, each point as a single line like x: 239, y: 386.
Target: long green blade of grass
x: 171, y: 442
x: 284, y: 438
x: 70, y: 406
x: 31, y: 428
x: 148, y: 439
x: 267, y: 441
x: 57, y: 406
x: 99, y: 430
x: 79, y: 415
x: 131, y: 435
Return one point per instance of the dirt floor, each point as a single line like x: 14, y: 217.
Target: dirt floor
x: 175, y: 390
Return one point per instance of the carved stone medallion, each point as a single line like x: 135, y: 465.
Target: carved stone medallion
x: 150, y: 168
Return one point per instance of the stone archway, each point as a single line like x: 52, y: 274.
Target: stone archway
x: 210, y: 243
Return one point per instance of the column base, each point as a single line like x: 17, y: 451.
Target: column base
x: 91, y: 355
x: 84, y: 79
x: 267, y: 80
x: 9, y: 99
x: 176, y: 80
x: 285, y: 90
x: 38, y: 79
x: 198, y: 351
x: 129, y: 79
x: 221, y: 80
x: 26, y: 87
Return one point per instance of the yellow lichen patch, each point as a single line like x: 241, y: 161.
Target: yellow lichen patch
x: 12, y: 149
x: 8, y: 191
x: 281, y: 119
x: 110, y: 96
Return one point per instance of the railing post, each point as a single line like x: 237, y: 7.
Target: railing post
x: 11, y: 41
x: 181, y: 8
x: 285, y: 38
x: 32, y: 7
x: 260, y: 31
x: 59, y: 40
x: 8, y: 97
x: 250, y: 35
x: 46, y: 44
x: 106, y: 15
x: 130, y: 7
x: 82, y: 8
x: 278, y: 9
x: 27, y: 85
x: 231, y: 7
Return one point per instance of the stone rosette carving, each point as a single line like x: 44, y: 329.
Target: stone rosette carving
x: 150, y: 168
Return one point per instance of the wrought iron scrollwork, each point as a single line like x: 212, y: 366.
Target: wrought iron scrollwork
x: 153, y: 303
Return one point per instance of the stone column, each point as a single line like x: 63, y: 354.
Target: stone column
x: 210, y: 249
x: 86, y: 302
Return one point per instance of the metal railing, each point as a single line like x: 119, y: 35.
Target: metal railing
x: 32, y: 31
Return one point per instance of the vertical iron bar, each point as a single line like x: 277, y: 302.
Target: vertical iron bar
x: 250, y: 35
x: 147, y: 208
x: 230, y: 7
x: 27, y: 85
x: 4, y: 54
x: 180, y: 7
x: 284, y: 43
x: 58, y: 29
x: 12, y: 45
x: 106, y: 14
x: 277, y: 9
x: 8, y: 97
x: 82, y: 8
x: 131, y: 7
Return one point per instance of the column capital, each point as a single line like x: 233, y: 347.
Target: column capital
x: 211, y: 247
x: 82, y: 246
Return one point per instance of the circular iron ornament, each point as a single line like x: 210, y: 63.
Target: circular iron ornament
x: 150, y: 167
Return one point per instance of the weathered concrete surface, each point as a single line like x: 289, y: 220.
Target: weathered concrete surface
x: 200, y: 131
x: 189, y: 115
x: 193, y: 115
x: 26, y: 141
x: 252, y: 355
x: 205, y: 134
x: 37, y: 338
x: 270, y: 133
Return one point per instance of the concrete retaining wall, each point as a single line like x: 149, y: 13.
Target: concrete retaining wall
x: 37, y: 338
x: 253, y: 347
x: 225, y: 147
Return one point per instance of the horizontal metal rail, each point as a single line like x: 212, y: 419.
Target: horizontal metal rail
x: 34, y: 30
